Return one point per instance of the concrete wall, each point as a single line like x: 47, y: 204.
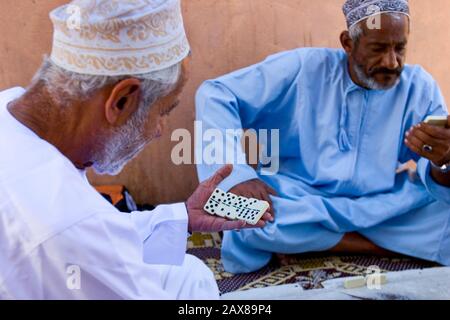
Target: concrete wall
x: 225, y: 35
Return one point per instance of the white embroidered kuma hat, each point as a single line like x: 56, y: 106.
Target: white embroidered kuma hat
x: 118, y: 37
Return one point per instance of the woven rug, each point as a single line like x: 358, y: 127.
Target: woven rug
x: 309, y: 270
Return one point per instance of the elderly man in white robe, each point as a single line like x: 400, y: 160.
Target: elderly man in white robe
x: 113, y: 76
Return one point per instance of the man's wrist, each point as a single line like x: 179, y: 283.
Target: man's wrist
x: 440, y: 177
x: 443, y: 169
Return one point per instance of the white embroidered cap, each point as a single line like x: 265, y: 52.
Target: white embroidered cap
x: 118, y: 37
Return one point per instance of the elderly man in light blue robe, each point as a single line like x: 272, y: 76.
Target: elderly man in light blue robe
x: 347, y: 119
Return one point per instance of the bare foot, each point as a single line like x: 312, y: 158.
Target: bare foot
x: 284, y: 259
x: 357, y: 244
x: 352, y: 243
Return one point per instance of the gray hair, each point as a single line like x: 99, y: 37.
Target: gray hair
x: 65, y: 86
x: 356, y: 31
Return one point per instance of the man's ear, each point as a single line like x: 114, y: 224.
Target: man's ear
x: 123, y: 101
x: 347, y: 42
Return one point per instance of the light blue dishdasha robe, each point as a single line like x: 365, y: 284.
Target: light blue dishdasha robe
x: 340, y: 146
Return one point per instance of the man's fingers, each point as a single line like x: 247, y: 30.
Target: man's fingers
x: 425, y: 133
x: 233, y: 225
x: 227, y: 225
x: 418, y: 138
x: 271, y: 209
x: 415, y: 141
x: 425, y: 138
x: 267, y: 217
x: 414, y: 145
x: 221, y: 174
x: 271, y: 190
x: 260, y: 224
x: 434, y: 131
x: 264, y: 196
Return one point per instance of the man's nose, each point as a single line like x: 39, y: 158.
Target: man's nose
x: 390, y: 60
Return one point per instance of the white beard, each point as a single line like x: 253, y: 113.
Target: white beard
x: 371, y: 83
x: 125, y: 145
x: 111, y: 166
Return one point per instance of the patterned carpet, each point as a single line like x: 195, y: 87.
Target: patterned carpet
x: 309, y: 270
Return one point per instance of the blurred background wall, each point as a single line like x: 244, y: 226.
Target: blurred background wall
x: 224, y: 35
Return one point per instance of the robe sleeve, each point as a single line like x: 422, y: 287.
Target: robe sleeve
x: 236, y: 101
x: 107, y: 248
x: 437, y: 107
x: 439, y: 192
x: 107, y: 251
x: 164, y: 233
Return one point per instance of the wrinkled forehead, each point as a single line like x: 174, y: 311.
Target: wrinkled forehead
x: 386, y: 28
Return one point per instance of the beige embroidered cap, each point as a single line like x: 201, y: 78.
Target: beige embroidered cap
x: 118, y: 37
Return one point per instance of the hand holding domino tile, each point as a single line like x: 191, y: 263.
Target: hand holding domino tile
x: 231, y: 206
x: 238, y: 212
x: 257, y: 189
x: 438, y: 121
x: 431, y: 139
